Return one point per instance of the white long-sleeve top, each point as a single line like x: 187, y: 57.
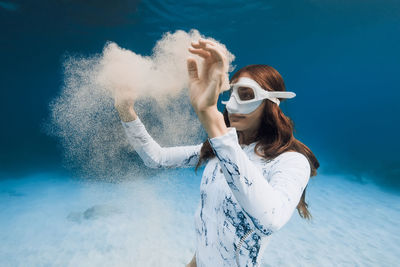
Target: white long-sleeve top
x: 243, y: 197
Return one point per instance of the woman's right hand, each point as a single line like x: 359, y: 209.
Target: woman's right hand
x: 124, y: 102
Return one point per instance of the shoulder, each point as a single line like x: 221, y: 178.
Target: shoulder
x: 290, y: 166
x: 294, y: 155
x: 292, y: 159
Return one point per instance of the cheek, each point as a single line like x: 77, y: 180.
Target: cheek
x: 256, y: 117
x: 253, y: 121
x: 246, y: 123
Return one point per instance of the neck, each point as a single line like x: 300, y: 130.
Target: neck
x: 247, y: 137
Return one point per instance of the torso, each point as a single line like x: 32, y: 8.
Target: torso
x: 221, y: 223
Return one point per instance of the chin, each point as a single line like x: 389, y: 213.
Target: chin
x: 237, y: 125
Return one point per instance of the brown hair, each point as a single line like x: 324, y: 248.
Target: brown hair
x: 275, y: 134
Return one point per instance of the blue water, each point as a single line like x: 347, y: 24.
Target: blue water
x: 52, y: 220
x: 340, y: 57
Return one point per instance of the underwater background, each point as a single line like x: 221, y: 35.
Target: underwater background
x: 341, y: 58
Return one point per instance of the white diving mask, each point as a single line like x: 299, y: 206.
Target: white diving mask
x: 247, y: 95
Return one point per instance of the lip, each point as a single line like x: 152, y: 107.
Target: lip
x: 235, y: 117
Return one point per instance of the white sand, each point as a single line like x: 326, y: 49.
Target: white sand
x: 57, y: 221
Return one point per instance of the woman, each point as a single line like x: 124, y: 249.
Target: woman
x: 256, y: 172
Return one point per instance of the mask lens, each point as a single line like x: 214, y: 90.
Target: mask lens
x: 246, y: 93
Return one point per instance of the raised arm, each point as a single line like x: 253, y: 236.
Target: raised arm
x: 268, y: 204
x: 151, y: 153
x: 155, y: 156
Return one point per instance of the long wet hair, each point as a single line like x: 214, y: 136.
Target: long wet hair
x: 275, y: 134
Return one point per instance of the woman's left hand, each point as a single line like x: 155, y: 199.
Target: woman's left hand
x: 206, y: 86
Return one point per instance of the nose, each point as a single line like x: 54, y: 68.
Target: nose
x: 232, y: 106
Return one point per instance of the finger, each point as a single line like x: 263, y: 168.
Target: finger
x: 225, y: 82
x: 197, y: 45
x: 192, y: 69
x: 219, y: 49
x: 216, y: 53
x: 200, y: 52
x: 204, y: 42
x: 213, y: 90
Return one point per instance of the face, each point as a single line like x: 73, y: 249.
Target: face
x: 247, y: 122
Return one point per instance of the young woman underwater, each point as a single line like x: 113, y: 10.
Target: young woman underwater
x: 256, y: 172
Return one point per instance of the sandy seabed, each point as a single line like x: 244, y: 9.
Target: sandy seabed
x: 50, y: 220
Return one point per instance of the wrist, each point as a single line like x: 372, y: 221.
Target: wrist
x: 213, y: 121
x: 127, y: 115
x: 208, y: 111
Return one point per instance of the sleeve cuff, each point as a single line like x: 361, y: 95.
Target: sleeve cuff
x: 132, y: 124
x: 227, y: 139
x: 136, y: 132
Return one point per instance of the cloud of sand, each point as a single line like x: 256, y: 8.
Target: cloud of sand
x: 164, y: 73
x: 84, y: 119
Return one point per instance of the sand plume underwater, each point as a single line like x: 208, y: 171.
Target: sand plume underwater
x: 85, y: 122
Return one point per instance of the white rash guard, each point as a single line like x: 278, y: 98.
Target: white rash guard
x: 244, y: 198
